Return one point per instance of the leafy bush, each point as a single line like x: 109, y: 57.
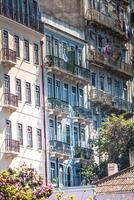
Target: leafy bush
x: 23, y: 183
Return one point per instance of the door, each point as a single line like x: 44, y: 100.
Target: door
x: 6, y: 84
x: 69, y: 176
x: 76, y: 143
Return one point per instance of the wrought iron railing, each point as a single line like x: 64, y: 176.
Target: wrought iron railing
x: 58, y: 146
x: 121, y: 104
x: 83, y: 153
x: 12, y: 145
x: 105, y: 20
x: 30, y: 21
x: 58, y: 105
x: 10, y: 100
x: 52, y: 61
x: 82, y: 112
x: 97, y: 95
x: 109, y: 61
x: 8, y: 55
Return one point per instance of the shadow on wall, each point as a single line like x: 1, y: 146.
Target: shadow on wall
x: 61, y: 10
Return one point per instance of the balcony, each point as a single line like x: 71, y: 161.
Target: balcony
x: 121, y: 105
x: 8, y: 57
x: 83, y: 154
x: 110, y: 63
x: 12, y: 147
x: 27, y: 20
x: 59, y: 149
x: 82, y: 115
x: 57, y: 107
x: 66, y: 70
x: 10, y: 102
x: 101, y: 20
x: 100, y: 97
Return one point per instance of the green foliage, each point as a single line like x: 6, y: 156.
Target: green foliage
x: 116, y: 138
x: 94, y: 171
x: 23, y: 184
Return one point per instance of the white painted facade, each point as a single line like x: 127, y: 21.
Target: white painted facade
x: 26, y: 114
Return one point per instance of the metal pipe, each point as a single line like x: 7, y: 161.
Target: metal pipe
x: 43, y: 110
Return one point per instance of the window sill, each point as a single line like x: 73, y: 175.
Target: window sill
x: 28, y: 103
x: 30, y: 148
x: 38, y: 149
x: 36, y: 64
x: 27, y: 61
x: 38, y: 107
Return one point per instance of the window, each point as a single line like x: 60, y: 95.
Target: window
x: 48, y: 45
x: 65, y: 92
x: 8, y: 133
x: 82, y: 135
x: 56, y: 48
x: 29, y: 137
x: 76, y: 137
x: 17, y: 45
x: 6, y: 84
x: 18, y: 88
x: 67, y: 134
x: 57, y: 89
x: 5, y: 39
x: 79, y: 57
x: 125, y: 94
x: 109, y: 80
x: 94, y: 79
x: 39, y: 139
x: 25, y: 12
x: 61, y: 175
x: 102, y: 82
x: 34, y: 8
x: 50, y: 87
x: 53, y: 172
x: 95, y: 124
x: 59, y: 131
x: 20, y: 133
x: 81, y: 98
x: 51, y: 130
x: 65, y: 57
x: 116, y: 89
x: 37, y: 95
x: 28, y: 92
x: 100, y: 41
x: 36, y: 54
x: 71, y: 55
x: 73, y: 96
x: 26, y: 50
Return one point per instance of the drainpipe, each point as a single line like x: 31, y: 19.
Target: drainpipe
x: 43, y: 110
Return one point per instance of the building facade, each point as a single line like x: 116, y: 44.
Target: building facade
x: 21, y: 132
x: 89, y: 75
x: 67, y: 108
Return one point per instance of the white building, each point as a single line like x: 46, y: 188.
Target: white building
x: 21, y: 128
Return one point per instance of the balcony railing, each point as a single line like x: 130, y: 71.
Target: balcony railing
x: 83, y: 153
x: 96, y: 57
x: 58, y: 105
x: 59, y: 147
x: 101, y: 97
x: 12, y: 146
x: 27, y: 20
x: 70, y: 68
x: 121, y: 104
x: 106, y: 21
x: 10, y: 100
x: 82, y: 112
x: 8, y: 55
